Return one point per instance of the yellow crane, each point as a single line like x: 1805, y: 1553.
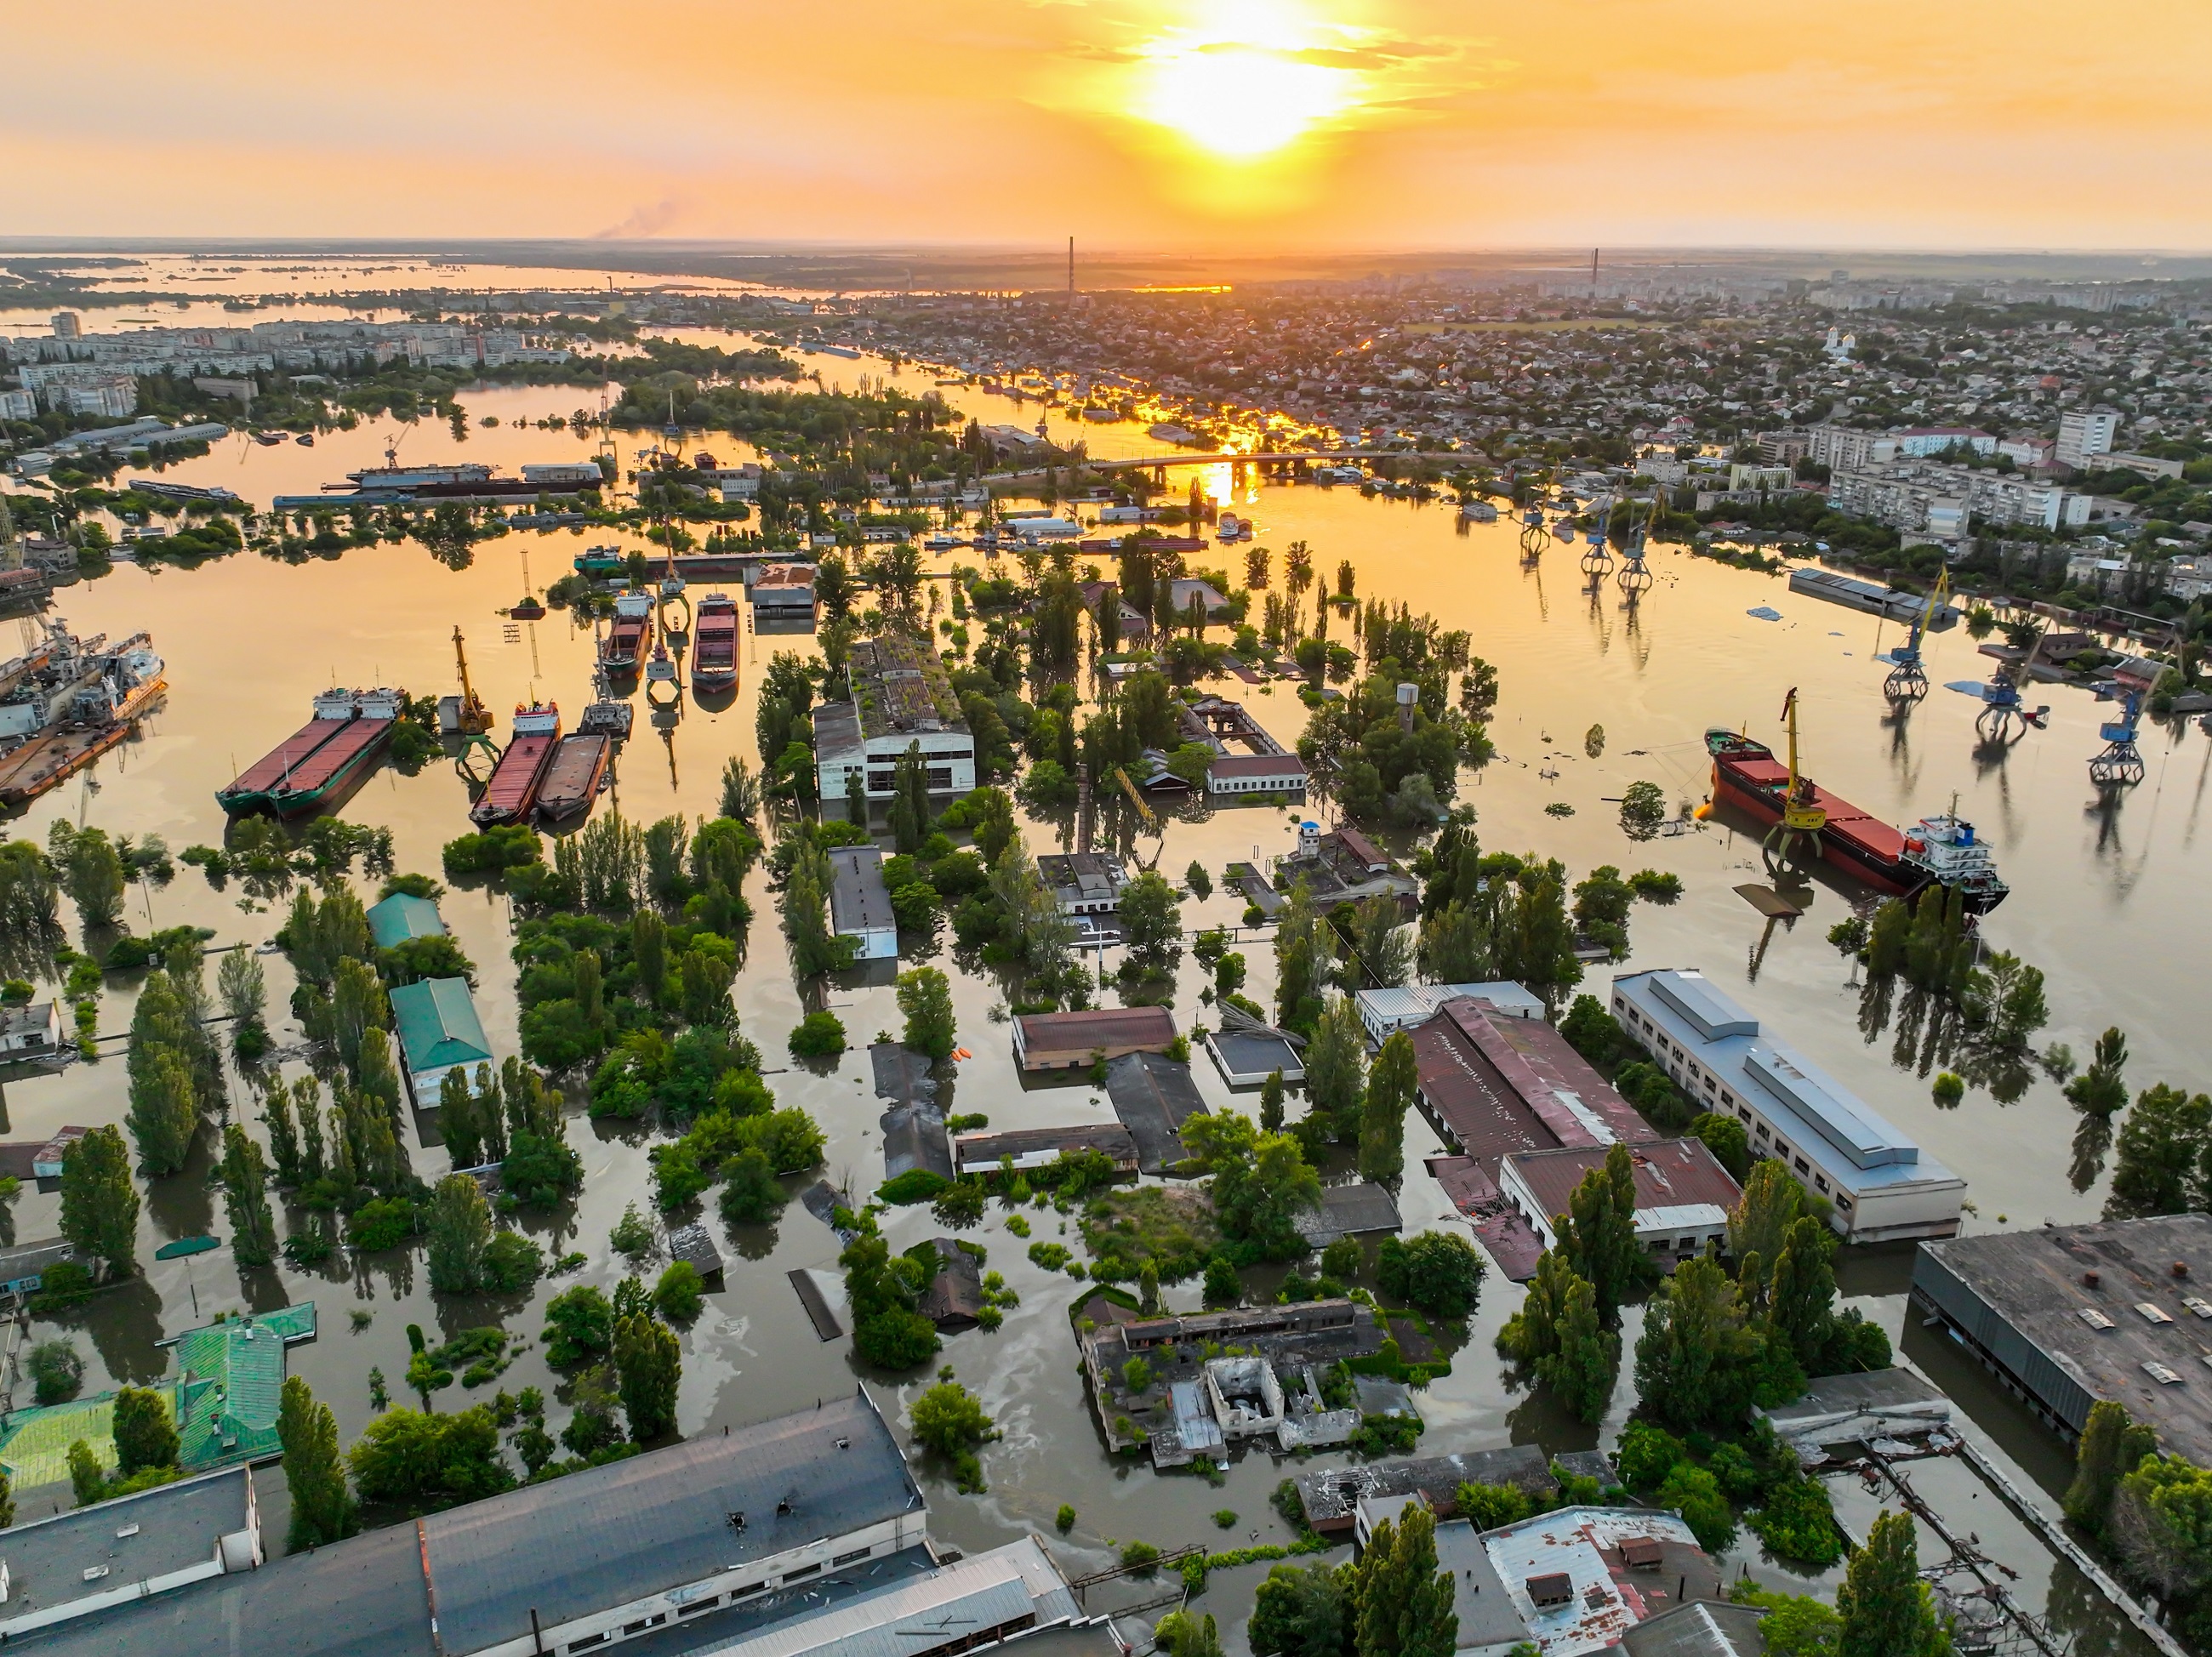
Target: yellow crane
x: 1801, y: 816
x: 475, y: 718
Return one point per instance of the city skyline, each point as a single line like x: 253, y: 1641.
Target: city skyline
x: 1317, y: 126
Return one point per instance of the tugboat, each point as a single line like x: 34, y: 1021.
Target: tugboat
x: 623, y: 651
x: 1946, y: 847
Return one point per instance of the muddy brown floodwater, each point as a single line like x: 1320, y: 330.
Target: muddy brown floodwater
x: 2104, y: 898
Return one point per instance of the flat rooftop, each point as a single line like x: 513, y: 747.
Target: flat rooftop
x: 858, y: 899
x: 900, y: 688
x: 1501, y: 1083
x: 1817, y: 1115
x: 92, y: 1551
x: 2096, y: 1305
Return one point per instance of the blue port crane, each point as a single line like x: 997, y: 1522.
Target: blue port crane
x: 1597, y: 557
x: 1533, y: 534
x: 1908, y: 676
x: 2001, y: 706
x: 1634, y: 578
x: 2120, y: 765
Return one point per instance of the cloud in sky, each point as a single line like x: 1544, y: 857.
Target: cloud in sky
x: 1254, y: 124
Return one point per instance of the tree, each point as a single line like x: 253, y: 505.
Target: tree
x: 240, y: 984
x: 2162, y: 1524
x: 2157, y: 1156
x: 750, y: 1191
x: 1390, y: 1087
x: 245, y: 1197
x: 925, y: 996
x: 409, y: 1456
x: 91, y: 871
x: 2099, y: 1090
x: 1300, y: 1613
x: 1301, y: 961
x: 1261, y: 1182
x: 57, y: 1371
x: 144, y: 1436
x: 1437, y: 1271
x: 909, y: 807
x: 2112, y: 1446
x: 1151, y: 916
x: 1582, y: 1367
x: 1886, y: 1610
x: 1725, y: 1138
x: 649, y: 1367
x: 457, y: 1119
x: 580, y: 1326
x: 1181, y: 1634
x: 1690, y: 1358
x: 1400, y: 1603
x: 1801, y: 1304
x: 1597, y: 1235
x: 950, y: 1419
x: 100, y: 1205
x: 1335, y: 1061
x: 1772, y: 1202
x: 459, y: 1229
x: 678, y: 1295
x: 1533, y: 1333
x: 164, y: 1112
x: 1384, y: 949
x: 322, y: 1506
x: 1589, y: 1030
x: 1270, y: 1103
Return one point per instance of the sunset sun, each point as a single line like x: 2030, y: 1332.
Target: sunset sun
x: 1243, y: 85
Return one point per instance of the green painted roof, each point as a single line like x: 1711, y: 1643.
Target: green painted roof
x: 402, y: 916
x: 438, y: 1024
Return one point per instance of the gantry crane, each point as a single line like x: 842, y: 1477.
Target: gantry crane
x: 1802, y: 817
x: 2121, y: 763
x: 1597, y: 557
x: 1635, y: 579
x: 1908, y: 678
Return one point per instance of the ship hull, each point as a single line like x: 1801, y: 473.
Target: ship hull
x: 249, y: 791
x: 625, y: 648
x: 714, y: 653
x: 572, y: 780
x: 45, y: 762
x: 1899, y: 880
x: 333, y: 769
x: 511, y: 793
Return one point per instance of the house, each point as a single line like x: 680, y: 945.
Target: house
x: 1349, y: 1210
x: 402, y: 916
x: 1581, y: 1578
x: 1084, y: 883
x: 1702, y: 1628
x: 782, y: 597
x: 1683, y: 1195
x: 32, y: 1028
x: 1027, y: 1148
x: 1330, y: 1499
x: 23, y: 1267
x: 1363, y: 852
x: 1882, y: 1185
x: 954, y: 1300
x: 1189, y: 589
x: 1077, y: 1040
x: 695, y: 1245
x: 1246, y: 1059
x: 438, y: 1031
x: 47, y: 1161
x: 859, y: 903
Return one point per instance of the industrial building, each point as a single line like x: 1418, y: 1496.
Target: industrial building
x: 1495, y: 1083
x: 1581, y: 1578
x: 801, y: 1535
x: 1072, y: 1041
x: 1384, y: 1011
x: 903, y: 699
x: 1084, y: 882
x: 2066, y: 1315
x: 1332, y: 1499
x: 985, y: 1151
x: 1683, y: 1195
x: 1883, y: 1186
x: 859, y: 903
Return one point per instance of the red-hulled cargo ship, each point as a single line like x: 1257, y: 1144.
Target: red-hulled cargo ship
x: 315, y: 762
x: 1747, y: 776
x: 516, y: 781
x: 715, y: 647
x: 623, y: 651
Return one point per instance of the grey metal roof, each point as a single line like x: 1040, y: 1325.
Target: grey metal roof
x: 1330, y: 1496
x: 172, y: 1528
x: 363, y: 1598
x: 1347, y: 1209
x: 1154, y: 1097
x: 729, y: 1624
x: 611, y: 1534
x: 1703, y: 1628
x: 982, y: 1592
x: 858, y: 899
x: 1486, y: 1614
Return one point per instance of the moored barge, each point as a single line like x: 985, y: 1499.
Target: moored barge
x: 513, y: 790
x: 715, y: 647
x: 574, y: 778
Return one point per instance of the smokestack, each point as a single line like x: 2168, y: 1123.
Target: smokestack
x: 1409, y: 696
x: 1071, y: 269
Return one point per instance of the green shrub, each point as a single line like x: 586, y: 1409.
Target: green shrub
x: 916, y: 1185
x: 818, y: 1035
x: 383, y: 1223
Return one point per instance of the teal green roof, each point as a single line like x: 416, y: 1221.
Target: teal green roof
x: 402, y: 916
x: 438, y: 1025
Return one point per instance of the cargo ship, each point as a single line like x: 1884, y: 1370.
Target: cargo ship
x: 513, y: 790
x: 1942, y: 851
x: 574, y: 779
x: 48, y: 760
x: 68, y: 700
x: 316, y: 763
x: 715, y: 648
x: 623, y: 651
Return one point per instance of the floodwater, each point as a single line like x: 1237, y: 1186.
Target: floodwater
x: 2103, y: 900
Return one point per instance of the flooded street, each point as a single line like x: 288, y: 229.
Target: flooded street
x: 2104, y: 899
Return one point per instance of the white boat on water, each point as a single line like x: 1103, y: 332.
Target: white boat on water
x: 1477, y: 512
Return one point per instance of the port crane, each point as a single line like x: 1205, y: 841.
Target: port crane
x: 472, y: 720
x: 1908, y: 678
x: 1597, y: 557
x: 1802, y: 817
x: 1634, y: 578
x: 2001, y: 705
x: 1534, y: 535
x: 2120, y: 765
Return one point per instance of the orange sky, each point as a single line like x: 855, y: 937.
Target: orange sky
x: 1253, y: 125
